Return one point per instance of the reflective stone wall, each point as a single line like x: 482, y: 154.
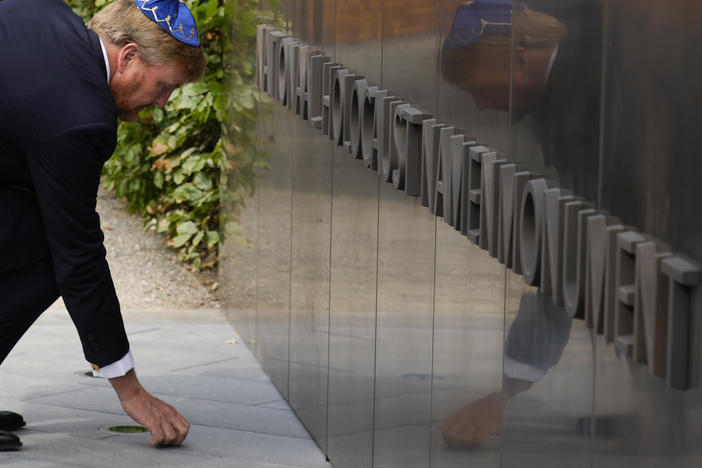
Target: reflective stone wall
x: 525, y: 292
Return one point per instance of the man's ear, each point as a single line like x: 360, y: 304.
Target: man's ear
x: 127, y: 54
x: 520, y: 62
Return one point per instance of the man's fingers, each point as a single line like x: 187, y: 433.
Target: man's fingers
x: 183, y: 423
x: 181, y: 437
x: 169, y: 432
x: 157, y: 435
x: 182, y: 426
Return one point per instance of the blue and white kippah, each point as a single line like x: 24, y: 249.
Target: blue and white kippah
x: 173, y: 16
x: 476, y: 19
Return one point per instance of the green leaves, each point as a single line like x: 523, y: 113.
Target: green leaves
x: 170, y: 165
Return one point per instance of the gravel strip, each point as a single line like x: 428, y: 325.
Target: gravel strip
x: 146, y: 272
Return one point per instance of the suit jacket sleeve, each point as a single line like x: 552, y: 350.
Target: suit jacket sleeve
x: 66, y: 173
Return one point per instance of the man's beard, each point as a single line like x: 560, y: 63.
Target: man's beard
x: 125, y: 111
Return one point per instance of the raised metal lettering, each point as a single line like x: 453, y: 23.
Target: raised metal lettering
x: 369, y: 138
x: 431, y: 134
x: 651, y: 307
x: 357, y: 102
x: 532, y: 215
x: 684, y: 277
x: 574, y: 249
x: 315, y: 91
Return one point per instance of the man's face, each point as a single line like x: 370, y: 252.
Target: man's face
x: 138, y: 85
x: 490, y: 89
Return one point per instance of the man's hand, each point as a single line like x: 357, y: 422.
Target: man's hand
x: 471, y: 426
x: 166, y: 425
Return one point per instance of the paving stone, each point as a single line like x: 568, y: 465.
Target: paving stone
x: 190, y: 357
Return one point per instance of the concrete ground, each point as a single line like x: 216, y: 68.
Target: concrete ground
x: 187, y: 355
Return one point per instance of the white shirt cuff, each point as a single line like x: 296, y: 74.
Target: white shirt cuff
x: 116, y: 369
x: 518, y: 370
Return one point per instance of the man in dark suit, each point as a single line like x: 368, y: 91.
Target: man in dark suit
x: 528, y: 58
x: 62, y: 87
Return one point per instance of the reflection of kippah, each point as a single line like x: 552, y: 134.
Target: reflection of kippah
x: 477, y: 19
x: 173, y: 16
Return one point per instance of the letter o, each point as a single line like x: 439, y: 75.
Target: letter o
x: 531, y: 225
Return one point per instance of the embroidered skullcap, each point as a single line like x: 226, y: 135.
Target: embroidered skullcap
x: 174, y: 17
x: 479, y: 18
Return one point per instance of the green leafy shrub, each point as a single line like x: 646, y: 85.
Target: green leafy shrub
x: 171, y: 163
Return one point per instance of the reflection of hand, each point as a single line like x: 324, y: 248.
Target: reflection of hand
x: 166, y: 425
x: 472, y: 425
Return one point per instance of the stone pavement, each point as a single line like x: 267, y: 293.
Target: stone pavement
x: 191, y: 358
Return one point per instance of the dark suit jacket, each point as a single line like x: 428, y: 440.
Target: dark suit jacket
x: 568, y: 117
x: 57, y: 128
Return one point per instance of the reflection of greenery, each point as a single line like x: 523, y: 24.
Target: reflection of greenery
x: 169, y: 164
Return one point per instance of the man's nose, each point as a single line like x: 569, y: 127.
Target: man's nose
x: 162, y: 99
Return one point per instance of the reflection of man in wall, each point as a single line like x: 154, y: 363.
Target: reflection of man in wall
x: 477, y: 55
x: 554, y: 68
x: 534, y: 344
x: 554, y: 73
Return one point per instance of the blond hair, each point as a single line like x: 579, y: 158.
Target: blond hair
x: 530, y: 29
x: 121, y: 22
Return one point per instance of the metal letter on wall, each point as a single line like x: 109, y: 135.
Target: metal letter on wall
x: 329, y: 70
x: 261, y: 65
x: 531, y: 215
x: 624, y: 312
x: 293, y: 76
x: 358, y: 96
x: 273, y: 39
x: 457, y: 167
x: 520, y: 180
x: 600, y: 271
x: 551, y: 265
x: 302, y: 93
x: 574, y: 249
x: 505, y: 216
x: 460, y: 193
x: 337, y: 108
x: 684, y: 277
x: 408, y: 144
x: 314, y: 95
x: 651, y: 307
x: 389, y: 160
x: 284, y: 69
x: 442, y: 185
x: 475, y: 189
x: 431, y: 137
x: 489, y: 203
x: 381, y: 124
x: 369, y: 138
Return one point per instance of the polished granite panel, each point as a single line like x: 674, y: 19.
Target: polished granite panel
x: 405, y: 260
x: 548, y: 382
x: 410, y: 54
x: 310, y: 264
x: 549, y: 358
x: 556, y: 115
x: 469, y: 284
x: 650, y: 178
x: 404, y: 324
x: 650, y: 154
x: 431, y: 341
x: 354, y: 261
x: 311, y: 171
x: 352, y: 320
x: 467, y: 357
x: 238, y: 260
x: 273, y: 236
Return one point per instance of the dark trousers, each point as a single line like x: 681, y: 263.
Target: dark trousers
x: 27, y: 283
